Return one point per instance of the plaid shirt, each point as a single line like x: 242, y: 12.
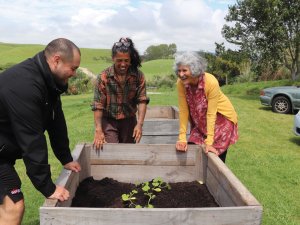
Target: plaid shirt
x: 119, y: 102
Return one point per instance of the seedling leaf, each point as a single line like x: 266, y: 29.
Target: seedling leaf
x: 125, y: 197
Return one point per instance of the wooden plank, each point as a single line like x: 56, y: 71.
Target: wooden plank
x: 237, y: 192
x: 162, y: 139
x: 69, y: 179
x: 204, y: 163
x: 199, y: 170
x: 142, y: 154
x: 216, y: 190
x: 159, y: 112
x: 176, y: 112
x: 76, y: 178
x: 140, y: 173
x: 161, y: 127
x: 167, y: 216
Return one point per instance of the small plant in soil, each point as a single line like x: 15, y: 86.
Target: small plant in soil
x: 130, y: 198
x: 149, y: 189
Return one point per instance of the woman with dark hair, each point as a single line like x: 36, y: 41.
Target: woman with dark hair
x: 120, y: 92
x: 212, y: 116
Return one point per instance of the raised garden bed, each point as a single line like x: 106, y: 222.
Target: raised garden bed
x: 141, y: 162
x: 161, y: 125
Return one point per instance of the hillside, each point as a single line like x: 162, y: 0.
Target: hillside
x: 158, y: 67
x: 15, y: 53
x: 94, y: 60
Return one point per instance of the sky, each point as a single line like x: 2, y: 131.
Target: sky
x: 192, y: 25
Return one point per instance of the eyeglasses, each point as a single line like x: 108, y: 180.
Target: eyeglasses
x: 122, y: 42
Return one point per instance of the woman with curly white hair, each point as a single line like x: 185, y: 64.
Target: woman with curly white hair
x: 212, y: 117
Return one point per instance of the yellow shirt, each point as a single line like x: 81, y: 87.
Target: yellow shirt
x: 217, y: 102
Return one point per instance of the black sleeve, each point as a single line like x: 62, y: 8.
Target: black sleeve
x: 24, y: 104
x: 58, y: 135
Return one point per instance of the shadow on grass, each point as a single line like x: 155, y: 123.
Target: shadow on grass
x: 267, y: 109
x: 33, y: 222
x: 295, y: 140
x: 246, y: 97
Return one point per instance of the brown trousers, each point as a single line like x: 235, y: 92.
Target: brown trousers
x: 119, y: 131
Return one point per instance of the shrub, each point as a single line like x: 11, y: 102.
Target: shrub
x: 79, y: 84
x: 165, y: 82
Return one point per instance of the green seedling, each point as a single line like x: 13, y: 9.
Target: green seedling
x: 149, y: 188
x: 159, y: 184
x: 130, y: 198
x: 148, y: 192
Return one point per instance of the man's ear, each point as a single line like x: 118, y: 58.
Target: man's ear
x: 55, y: 59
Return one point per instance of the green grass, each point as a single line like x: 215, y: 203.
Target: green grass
x: 266, y: 158
x: 94, y: 59
x: 253, y: 88
x: 159, y: 67
x: 15, y: 53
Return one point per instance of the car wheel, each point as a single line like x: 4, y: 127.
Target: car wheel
x: 281, y: 104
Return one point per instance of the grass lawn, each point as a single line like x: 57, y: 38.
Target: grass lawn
x: 266, y: 157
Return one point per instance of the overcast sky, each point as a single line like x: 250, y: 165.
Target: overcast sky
x: 190, y: 24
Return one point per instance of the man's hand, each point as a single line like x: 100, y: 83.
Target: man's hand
x: 181, y: 146
x: 74, y: 166
x: 137, y: 133
x: 60, y: 194
x: 209, y: 148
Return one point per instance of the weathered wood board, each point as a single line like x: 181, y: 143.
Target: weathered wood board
x: 142, y: 162
x: 161, y: 125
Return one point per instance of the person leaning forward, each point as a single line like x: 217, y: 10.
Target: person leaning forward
x: 119, y: 93
x: 30, y: 104
x: 213, y: 118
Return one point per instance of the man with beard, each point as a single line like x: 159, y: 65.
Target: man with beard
x: 30, y: 104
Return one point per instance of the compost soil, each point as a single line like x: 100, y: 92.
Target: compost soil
x: 106, y: 193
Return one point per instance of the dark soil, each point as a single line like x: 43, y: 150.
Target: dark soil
x: 106, y: 193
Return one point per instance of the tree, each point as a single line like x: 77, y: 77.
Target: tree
x: 162, y: 51
x: 224, y: 70
x: 236, y: 56
x: 269, y: 30
x: 172, y: 49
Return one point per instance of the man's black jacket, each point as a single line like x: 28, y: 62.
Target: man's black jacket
x: 30, y: 104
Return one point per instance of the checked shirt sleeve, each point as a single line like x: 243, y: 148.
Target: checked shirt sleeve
x: 99, y: 93
x: 141, y: 89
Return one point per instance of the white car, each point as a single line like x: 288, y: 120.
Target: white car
x: 297, y: 124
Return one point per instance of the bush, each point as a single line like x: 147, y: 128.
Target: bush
x: 165, y: 82
x: 79, y: 84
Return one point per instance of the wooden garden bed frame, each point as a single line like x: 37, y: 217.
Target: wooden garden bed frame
x: 143, y: 162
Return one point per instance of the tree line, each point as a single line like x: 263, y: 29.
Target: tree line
x: 267, y: 34
x: 162, y: 51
